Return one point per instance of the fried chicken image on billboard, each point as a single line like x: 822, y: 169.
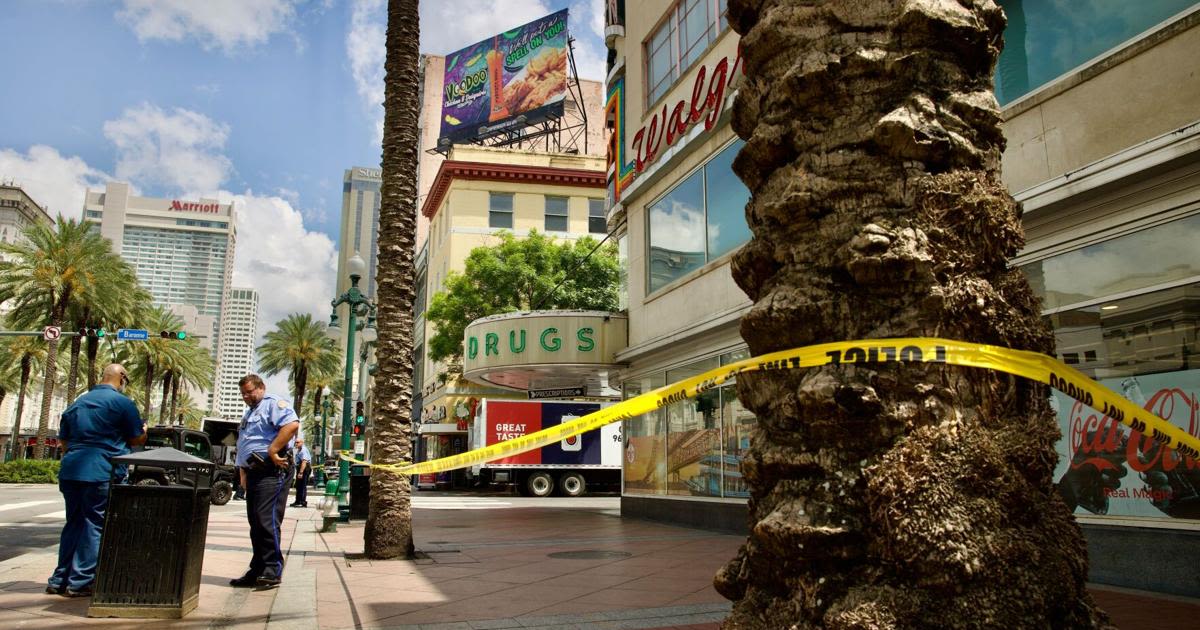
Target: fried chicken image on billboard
x: 545, y: 78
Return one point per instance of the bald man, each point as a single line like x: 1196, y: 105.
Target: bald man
x: 98, y: 426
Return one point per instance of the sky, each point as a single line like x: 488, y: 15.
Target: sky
x: 262, y: 102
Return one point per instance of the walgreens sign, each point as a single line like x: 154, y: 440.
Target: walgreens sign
x: 672, y: 123
x: 189, y: 206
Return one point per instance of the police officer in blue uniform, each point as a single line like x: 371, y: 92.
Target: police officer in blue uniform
x: 264, y: 461
x: 98, y: 426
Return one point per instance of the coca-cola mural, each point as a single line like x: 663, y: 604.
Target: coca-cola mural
x: 1106, y: 468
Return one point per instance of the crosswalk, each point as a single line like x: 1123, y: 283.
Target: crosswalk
x: 48, y: 519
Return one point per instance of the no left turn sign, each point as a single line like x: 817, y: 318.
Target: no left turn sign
x: 50, y: 333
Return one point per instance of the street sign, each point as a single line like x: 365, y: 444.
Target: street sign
x: 562, y: 392
x: 50, y: 333
x: 132, y: 334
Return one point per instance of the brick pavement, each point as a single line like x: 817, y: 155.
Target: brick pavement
x: 556, y: 564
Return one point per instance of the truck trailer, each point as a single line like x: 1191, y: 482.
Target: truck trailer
x: 590, y: 461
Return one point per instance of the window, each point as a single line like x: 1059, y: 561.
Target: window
x: 597, y: 221
x: 701, y: 219
x: 557, y: 215
x: 500, y: 210
x: 1045, y: 40
x: 680, y: 41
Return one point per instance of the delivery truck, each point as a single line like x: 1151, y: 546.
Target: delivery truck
x: 590, y: 461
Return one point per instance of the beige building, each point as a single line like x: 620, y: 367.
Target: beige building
x: 477, y: 193
x: 1102, y: 114
x: 18, y: 210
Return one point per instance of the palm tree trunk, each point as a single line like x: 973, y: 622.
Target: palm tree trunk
x: 175, y: 399
x: 73, y: 371
x: 26, y: 372
x: 92, y: 348
x: 149, y: 383
x: 301, y: 385
x: 51, y: 373
x: 388, y: 533
x: 163, y: 407
x: 885, y: 495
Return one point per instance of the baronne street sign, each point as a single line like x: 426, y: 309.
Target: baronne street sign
x: 132, y: 334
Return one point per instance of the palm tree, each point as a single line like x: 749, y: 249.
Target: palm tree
x: 889, y: 495
x: 43, y: 276
x: 147, y: 358
x: 388, y: 533
x: 21, y: 356
x: 299, y: 344
x: 189, y: 365
x: 187, y: 412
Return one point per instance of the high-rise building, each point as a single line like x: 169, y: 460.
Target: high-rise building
x: 359, y: 233
x: 18, y: 210
x: 239, y: 329
x: 182, y: 251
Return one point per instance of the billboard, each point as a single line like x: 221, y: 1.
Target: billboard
x: 518, y: 73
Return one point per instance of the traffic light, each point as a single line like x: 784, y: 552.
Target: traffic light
x: 173, y: 334
x: 360, y: 420
x: 95, y: 333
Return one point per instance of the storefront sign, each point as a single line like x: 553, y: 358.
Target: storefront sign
x: 189, y: 206
x: 562, y: 392
x: 671, y: 124
x: 543, y: 337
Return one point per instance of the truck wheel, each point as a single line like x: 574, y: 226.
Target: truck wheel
x: 572, y: 485
x: 540, y: 484
x: 147, y: 481
x: 222, y: 492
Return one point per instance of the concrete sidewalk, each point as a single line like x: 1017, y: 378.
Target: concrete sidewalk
x: 487, y: 563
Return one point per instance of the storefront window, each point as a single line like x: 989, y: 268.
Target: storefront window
x: 701, y: 219
x: 1154, y: 256
x: 693, y: 438
x: 645, y: 443
x: 737, y: 423
x: 677, y: 232
x: 1045, y: 39
x: 1142, y: 347
x: 688, y: 30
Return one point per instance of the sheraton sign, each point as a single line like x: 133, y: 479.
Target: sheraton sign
x: 672, y: 123
x: 191, y: 206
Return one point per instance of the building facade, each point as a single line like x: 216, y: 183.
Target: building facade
x: 181, y: 250
x: 239, y: 329
x: 477, y: 193
x: 1103, y: 128
x: 17, y: 211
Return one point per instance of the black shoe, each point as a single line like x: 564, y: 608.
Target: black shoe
x: 237, y: 498
x: 300, y: 505
x: 55, y: 590
x: 83, y: 592
x: 294, y: 505
x: 266, y: 582
x: 245, y: 581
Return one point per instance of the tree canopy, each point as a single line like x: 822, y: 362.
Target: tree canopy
x: 301, y: 346
x: 521, y: 274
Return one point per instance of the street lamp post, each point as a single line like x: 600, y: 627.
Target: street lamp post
x: 325, y: 406
x: 359, y: 305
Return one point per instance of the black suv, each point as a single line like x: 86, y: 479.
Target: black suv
x: 194, y: 443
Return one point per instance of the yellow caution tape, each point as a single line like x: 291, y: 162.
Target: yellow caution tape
x: 1030, y: 365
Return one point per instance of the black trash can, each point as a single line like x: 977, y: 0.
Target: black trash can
x: 152, y: 548
x: 360, y: 490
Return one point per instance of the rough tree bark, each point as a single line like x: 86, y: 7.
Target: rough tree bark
x: 388, y: 532
x: 890, y: 496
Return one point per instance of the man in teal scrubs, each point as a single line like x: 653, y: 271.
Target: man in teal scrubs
x: 98, y: 426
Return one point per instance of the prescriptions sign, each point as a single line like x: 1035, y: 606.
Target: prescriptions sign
x: 521, y: 72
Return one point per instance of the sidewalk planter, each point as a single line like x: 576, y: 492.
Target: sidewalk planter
x: 152, y: 550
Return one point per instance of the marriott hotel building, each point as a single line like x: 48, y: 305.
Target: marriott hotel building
x: 181, y: 250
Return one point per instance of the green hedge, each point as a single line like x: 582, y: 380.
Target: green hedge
x: 29, y: 471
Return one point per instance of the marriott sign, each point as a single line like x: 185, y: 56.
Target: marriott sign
x: 188, y: 206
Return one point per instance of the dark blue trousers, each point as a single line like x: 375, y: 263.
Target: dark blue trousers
x: 79, y: 545
x: 302, y: 488
x: 266, y: 499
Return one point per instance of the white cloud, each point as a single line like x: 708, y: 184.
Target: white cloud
x: 365, y: 48
x: 180, y: 149
x: 587, y: 20
x: 226, y: 24
x: 292, y: 268
x: 55, y: 181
